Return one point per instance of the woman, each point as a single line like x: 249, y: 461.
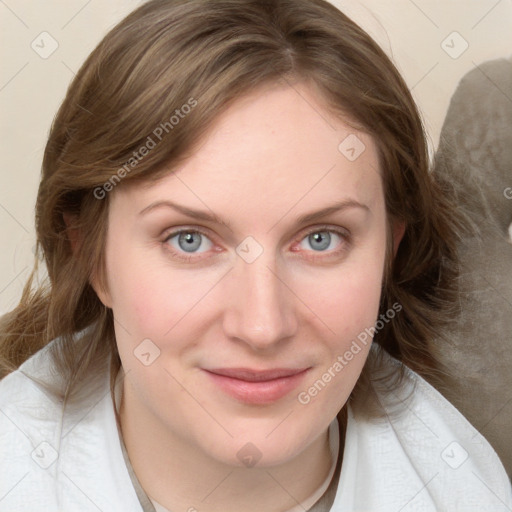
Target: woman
x: 247, y: 260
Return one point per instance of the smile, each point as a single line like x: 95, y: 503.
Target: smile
x: 257, y: 386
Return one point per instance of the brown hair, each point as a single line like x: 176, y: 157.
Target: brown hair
x: 171, y: 53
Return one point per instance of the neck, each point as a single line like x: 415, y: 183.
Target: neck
x: 179, y: 476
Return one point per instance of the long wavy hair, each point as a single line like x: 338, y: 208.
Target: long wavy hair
x: 172, y: 53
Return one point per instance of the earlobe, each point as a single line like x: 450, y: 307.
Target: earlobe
x: 74, y: 237
x: 102, y: 294
x: 398, y: 233
x: 101, y: 291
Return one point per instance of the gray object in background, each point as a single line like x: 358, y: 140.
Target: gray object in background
x: 475, y: 153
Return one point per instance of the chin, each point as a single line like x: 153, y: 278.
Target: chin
x: 265, y: 445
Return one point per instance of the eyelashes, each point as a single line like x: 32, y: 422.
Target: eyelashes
x: 317, y: 242
x: 189, y: 241
x: 321, y: 242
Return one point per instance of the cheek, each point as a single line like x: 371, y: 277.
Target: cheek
x: 138, y: 295
x: 137, y: 285
x: 140, y: 303
x: 151, y: 299
x: 347, y: 298
x: 349, y: 305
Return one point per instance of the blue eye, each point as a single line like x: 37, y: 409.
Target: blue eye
x: 190, y: 241
x: 321, y: 241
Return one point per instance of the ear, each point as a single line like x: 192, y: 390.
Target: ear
x: 75, y: 240
x: 398, y: 233
x: 101, y: 290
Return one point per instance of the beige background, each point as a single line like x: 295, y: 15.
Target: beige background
x: 31, y: 87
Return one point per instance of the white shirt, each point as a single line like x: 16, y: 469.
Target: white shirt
x: 421, y: 455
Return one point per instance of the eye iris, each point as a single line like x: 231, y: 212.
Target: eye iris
x: 320, y: 241
x: 189, y: 242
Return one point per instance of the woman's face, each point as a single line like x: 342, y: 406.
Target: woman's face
x: 240, y: 282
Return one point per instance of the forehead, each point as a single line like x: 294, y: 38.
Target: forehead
x: 274, y: 149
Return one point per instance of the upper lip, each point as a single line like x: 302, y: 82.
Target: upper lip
x: 250, y: 375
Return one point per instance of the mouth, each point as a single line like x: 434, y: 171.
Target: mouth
x: 257, y: 386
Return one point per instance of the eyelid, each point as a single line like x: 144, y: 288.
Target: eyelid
x: 169, y: 233
x: 343, y: 232
x: 172, y: 232
x: 183, y: 255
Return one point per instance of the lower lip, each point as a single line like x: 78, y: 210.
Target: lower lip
x: 260, y: 393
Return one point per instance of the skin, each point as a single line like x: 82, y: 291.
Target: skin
x: 268, y: 160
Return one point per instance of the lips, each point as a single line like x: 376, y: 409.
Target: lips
x: 257, y: 386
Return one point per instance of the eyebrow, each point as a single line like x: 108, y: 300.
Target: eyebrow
x: 189, y: 212
x: 328, y: 210
x: 209, y: 216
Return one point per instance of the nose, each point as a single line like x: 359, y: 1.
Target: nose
x: 261, y: 310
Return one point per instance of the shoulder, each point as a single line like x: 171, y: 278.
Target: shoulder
x: 58, y: 455
x: 30, y: 415
x: 420, y: 453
